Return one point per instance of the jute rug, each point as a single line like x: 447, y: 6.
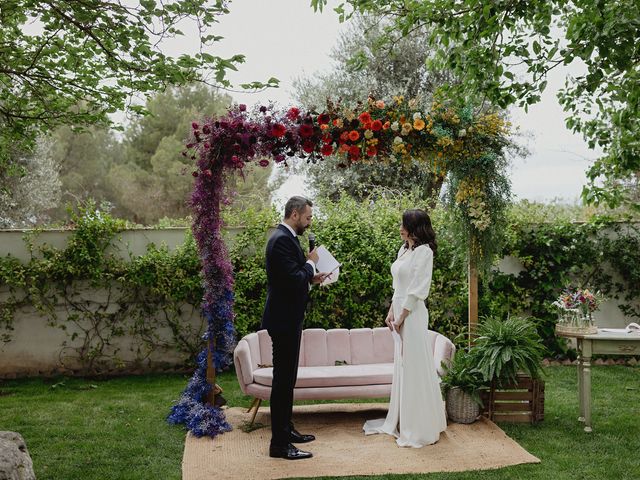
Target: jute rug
x: 342, y: 449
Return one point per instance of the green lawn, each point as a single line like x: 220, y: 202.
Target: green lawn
x: 116, y: 429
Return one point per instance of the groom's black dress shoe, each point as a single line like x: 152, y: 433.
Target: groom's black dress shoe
x: 289, y: 452
x: 297, y: 437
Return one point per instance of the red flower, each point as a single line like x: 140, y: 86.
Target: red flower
x: 376, y: 125
x: 308, y: 147
x: 365, y: 117
x: 264, y: 163
x: 306, y: 130
x: 327, y: 139
x: 326, y: 150
x: 366, y: 125
x: 354, y: 135
x: 278, y: 130
x: 293, y: 113
x: 323, y: 119
x: 344, y: 148
x: 354, y: 152
x: 372, y: 151
x: 344, y: 136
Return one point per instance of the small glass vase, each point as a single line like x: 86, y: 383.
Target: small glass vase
x: 576, y: 321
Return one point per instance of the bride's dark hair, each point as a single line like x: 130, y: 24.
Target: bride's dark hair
x: 418, y: 226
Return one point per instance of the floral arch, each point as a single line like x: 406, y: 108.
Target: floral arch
x: 466, y: 148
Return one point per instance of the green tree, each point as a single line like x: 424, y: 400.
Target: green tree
x: 72, y: 62
x: 152, y: 179
x: 26, y: 200
x: 504, y: 50
x: 84, y: 160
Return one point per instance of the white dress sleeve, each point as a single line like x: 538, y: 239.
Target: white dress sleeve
x: 421, y: 270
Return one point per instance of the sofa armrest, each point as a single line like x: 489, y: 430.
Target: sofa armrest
x: 443, y: 353
x: 243, y: 364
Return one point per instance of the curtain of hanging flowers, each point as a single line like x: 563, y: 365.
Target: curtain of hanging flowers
x: 469, y: 149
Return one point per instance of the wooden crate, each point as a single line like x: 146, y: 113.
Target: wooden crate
x: 520, y: 403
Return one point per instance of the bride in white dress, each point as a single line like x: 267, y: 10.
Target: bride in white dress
x: 416, y: 410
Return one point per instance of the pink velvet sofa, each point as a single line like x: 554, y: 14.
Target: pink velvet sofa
x: 334, y: 364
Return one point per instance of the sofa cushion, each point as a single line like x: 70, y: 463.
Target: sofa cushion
x: 334, y: 376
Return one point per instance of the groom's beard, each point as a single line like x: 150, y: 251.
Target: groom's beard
x: 300, y: 229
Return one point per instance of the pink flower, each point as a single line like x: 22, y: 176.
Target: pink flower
x: 264, y: 163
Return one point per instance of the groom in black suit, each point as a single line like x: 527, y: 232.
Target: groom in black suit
x: 289, y: 275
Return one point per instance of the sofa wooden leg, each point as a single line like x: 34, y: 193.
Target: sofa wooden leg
x: 255, y: 406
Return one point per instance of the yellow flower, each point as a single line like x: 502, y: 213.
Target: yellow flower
x: 418, y: 124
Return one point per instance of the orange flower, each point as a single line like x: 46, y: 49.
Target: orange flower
x: 418, y: 124
x: 354, y: 135
x: 324, y: 126
x: 386, y: 125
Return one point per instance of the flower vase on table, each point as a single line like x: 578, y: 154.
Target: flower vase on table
x: 575, y: 311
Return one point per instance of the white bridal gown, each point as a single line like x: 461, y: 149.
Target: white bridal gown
x: 416, y: 410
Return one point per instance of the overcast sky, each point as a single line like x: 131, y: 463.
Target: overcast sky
x: 286, y: 39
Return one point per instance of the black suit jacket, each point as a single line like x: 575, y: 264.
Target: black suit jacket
x: 288, y: 278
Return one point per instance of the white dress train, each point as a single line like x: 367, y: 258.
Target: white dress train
x: 416, y: 413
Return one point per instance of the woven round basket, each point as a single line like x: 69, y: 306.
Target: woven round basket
x: 460, y: 406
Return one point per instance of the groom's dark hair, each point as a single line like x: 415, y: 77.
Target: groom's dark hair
x: 296, y: 203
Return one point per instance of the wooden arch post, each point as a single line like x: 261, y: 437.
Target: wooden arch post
x: 473, y: 297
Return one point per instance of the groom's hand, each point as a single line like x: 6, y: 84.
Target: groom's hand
x: 319, y: 277
x: 313, y: 255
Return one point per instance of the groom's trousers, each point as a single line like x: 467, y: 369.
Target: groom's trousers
x: 286, y: 352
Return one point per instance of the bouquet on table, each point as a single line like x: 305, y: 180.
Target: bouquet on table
x: 575, y: 308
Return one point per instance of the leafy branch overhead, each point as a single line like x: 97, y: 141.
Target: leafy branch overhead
x: 73, y: 62
x: 505, y: 50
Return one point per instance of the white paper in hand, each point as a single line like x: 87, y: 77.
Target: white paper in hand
x: 327, y: 264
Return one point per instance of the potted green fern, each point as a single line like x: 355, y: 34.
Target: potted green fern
x: 508, y: 354
x: 506, y: 348
x: 461, y: 385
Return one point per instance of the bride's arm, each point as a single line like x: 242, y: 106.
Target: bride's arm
x: 390, y: 319
x: 420, y: 284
